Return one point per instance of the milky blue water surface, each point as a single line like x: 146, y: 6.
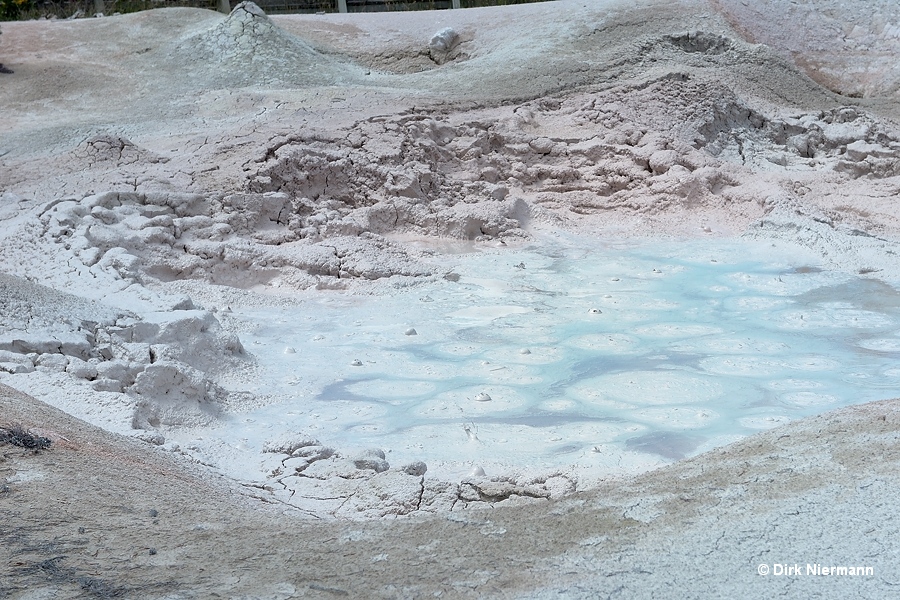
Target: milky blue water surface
x: 586, y: 349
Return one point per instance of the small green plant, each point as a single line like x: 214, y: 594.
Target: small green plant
x: 13, y: 9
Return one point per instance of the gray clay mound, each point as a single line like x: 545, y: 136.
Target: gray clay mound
x: 162, y: 366
x: 38, y: 319
x: 248, y: 48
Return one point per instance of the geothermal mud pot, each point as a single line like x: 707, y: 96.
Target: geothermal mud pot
x: 546, y: 260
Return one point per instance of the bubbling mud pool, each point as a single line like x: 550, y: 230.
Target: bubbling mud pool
x: 574, y: 354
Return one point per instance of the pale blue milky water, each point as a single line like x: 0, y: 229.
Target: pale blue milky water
x: 588, y: 351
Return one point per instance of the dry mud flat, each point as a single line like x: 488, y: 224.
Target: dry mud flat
x: 175, y: 153
x: 100, y: 515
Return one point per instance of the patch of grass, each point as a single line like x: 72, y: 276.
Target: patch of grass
x: 63, y: 9
x: 18, y: 436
